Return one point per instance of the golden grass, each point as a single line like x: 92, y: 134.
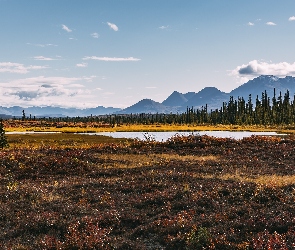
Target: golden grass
x: 155, y: 128
x: 263, y: 181
x: 275, y: 180
x: 135, y: 161
x: 58, y: 140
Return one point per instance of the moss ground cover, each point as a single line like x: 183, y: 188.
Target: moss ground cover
x: 194, y: 192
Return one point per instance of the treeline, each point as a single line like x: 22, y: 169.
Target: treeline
x: 260, y: 111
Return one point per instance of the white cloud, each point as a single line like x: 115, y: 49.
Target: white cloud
x: 95, y: 35
x: 44, y: 91
x: 36, y: 67
x: 42, y: 58
x: 292, y: 18
x: 270, y: 24
x: 111, y: 59
x: 256, y: 68
x: 89, y: 78
x: 42, y: 45
x: 150, y: 87
x: 8, y: 67
x: 81, y: 65
x: 251, y: 24
x: 113, y: 26
x: 64, y: 27
x: 164, y: 27
x: 108, y: 93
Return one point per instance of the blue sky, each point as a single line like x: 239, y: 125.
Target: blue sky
x: 88, y: 53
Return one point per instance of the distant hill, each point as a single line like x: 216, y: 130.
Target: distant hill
x: 175, y: 99
x: 211, y: 96
x: 3, y: 116
x: 189, y: 95
x: 148, y: 106
x: 56, y: 111
x: 267, y: 82
x: 176, y: 102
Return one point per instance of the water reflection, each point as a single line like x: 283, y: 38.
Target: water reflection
x: 163, y: 136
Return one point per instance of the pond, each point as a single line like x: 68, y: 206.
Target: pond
x: 163, y: 136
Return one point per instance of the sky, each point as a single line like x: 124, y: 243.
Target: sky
x: 114, y: 53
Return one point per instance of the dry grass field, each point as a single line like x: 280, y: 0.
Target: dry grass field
x: 86, y: 127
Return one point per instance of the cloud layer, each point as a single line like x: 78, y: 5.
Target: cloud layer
x: 43, y: 58
x: 43, y: 91
x: 256, y: 68
x: 42, y: 45
x: 81, y: 65
x: 18, y: 68
x: 112, y: 59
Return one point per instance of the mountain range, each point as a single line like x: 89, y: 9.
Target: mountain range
x: 213, y: 97
x: 55, y: 111
x: 176, y: 102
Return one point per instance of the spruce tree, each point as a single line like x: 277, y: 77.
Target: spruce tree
x: 3, y: 139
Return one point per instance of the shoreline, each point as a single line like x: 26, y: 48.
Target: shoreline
x: 286, y: 129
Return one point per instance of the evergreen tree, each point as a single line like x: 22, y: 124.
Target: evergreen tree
x: 3, y: 140
x: 23, y: 116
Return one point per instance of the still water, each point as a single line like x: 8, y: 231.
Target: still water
x: 163, y: 136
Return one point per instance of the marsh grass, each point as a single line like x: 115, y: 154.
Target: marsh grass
x: 23, y: 126
x: 59, y: 140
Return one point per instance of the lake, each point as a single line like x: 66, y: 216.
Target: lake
x: 163, y: 136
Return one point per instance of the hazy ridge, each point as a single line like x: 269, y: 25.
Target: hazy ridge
x: 176, y: 102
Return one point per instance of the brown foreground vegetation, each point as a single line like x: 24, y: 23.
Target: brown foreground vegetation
x: 187, y: 193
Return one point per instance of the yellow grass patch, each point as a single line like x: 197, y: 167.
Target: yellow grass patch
x: 135, y: 161
x: 59, y: 140
x: 275, y: 180
x: 263, y: 181
x: 84, y: 128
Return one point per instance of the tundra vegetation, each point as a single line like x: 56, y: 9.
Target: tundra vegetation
x: 3, y: 139
x: 67, y: 191
x: 71, y: 191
